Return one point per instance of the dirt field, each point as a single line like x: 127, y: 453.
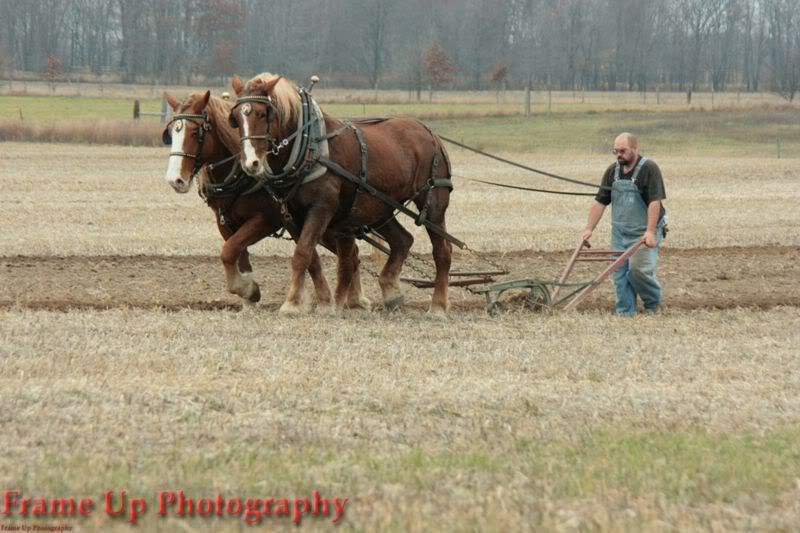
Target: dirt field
x: 721, y: 278
x: 126, y: 365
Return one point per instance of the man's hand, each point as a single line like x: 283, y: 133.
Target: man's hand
x: 650, y: 239
x: 586, y: 235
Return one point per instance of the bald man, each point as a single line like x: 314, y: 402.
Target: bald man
x: 634, y: 187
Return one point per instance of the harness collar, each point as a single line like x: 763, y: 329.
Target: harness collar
x: 309, y: 144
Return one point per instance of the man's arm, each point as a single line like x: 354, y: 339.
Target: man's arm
x: 595, y: 214
x: 653, y: 212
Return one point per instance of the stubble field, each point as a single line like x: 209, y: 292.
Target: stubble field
x: 127, y: 366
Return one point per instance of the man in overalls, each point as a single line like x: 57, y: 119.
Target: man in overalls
x: 635, y: 188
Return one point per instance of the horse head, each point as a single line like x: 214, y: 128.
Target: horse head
x: 187, y: 135
x: 265, y: 108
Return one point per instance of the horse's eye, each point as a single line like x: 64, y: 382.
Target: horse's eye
x: 261, y: 114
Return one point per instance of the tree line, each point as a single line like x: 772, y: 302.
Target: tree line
x: 639, y: 45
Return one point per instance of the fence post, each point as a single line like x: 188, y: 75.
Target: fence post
x: 778, y: 145
x: 528, y: 98
x: 136, y: 110
x: 164, y: 109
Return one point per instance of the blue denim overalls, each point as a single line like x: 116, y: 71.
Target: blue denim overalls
x: 628, y: 224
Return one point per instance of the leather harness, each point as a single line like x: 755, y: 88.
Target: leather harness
x: 283, y: 185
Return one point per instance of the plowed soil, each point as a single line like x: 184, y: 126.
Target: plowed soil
x: 718, y: 278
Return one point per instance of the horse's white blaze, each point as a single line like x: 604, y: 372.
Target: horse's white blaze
x: 247, y: 146
x: 174, y: 165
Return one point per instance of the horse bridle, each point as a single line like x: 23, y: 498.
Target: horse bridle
x: 203, y: 125
x: 274, y: 146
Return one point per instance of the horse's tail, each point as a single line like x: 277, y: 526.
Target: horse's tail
x: 445, y: 156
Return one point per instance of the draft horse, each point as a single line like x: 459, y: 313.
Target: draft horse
x: 204, y: 145
x: 400, y: 159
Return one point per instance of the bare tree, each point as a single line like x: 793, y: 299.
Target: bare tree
x: 754, y: 38
x: 596, y: 44
x: 375, y: 23
x: 700, y: 19
x: 784, y: 27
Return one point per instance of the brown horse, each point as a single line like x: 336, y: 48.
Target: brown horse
x: 199, y: 136
x: 405, y: 160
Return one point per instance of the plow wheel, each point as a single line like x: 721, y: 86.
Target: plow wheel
x: 539, y: 297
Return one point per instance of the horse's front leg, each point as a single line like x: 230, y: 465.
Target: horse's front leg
x: 235, y: 259
x: 351, y: 262
x: 344, y: 271
x: 244, y: 263
x: 304, y: 251
x: 355, y: 299
x: 321, y: 288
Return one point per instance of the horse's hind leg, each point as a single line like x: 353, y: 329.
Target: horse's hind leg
x: 400, y: 242
x: 442, y: 251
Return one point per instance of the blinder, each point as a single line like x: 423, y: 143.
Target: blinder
x: 246, y: 100
x: 178, y: 121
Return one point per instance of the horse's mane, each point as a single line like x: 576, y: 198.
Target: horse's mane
x: 218, y: 111
x: 287, y: 100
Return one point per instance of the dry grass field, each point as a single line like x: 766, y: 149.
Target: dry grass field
x: 611, y: 99
x: 125, y: 365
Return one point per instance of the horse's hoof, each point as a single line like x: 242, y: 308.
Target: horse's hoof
x: 394, y: 304
x: 326, y: 309
x: 255, y: 294
x: 290, y: 309
x: 363, y: 304
x: 437, y: 312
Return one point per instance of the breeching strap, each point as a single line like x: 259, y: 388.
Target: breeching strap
x: 388, y: 200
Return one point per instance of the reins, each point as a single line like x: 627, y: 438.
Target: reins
x: 530, y: 169
x: 521, y: 188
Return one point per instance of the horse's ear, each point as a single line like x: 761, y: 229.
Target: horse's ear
x: 173, y: 103
x: 271, y: 85
x: 204, y: 101
x: 232, y: 122
x: 237, y: 85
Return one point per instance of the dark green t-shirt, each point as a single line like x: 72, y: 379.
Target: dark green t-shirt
x: 650, y: 183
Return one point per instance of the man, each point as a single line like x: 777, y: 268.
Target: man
x: 635, y: 188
